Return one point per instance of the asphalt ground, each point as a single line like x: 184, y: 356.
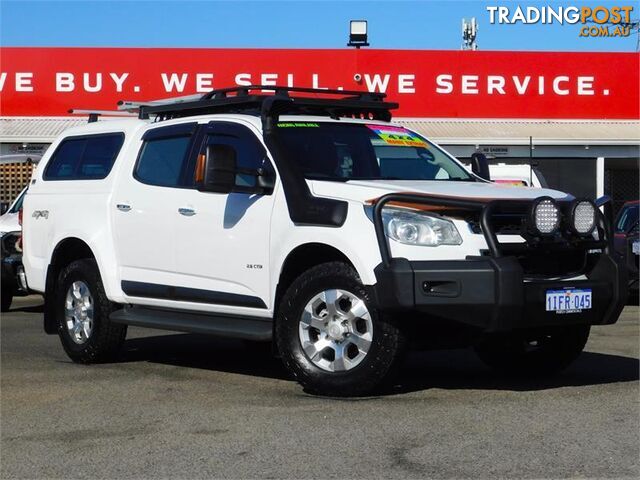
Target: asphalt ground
x: 189, y: 406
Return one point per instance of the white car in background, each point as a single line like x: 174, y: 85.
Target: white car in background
x: 13, y: 279
x: 521, y: 175
x: 9, y: 219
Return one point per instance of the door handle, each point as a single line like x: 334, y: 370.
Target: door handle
x: 123, y: 207
x: 187, y: 212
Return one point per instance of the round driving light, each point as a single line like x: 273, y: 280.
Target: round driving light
x: 546, y: 216
x: 584, y: 217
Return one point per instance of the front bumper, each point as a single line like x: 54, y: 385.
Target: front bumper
x: 493, y: 293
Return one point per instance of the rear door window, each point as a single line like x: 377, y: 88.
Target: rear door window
x: 88, y: 157
x: 162, y: 161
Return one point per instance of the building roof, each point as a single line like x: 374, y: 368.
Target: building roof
x: 35, y: 129
x: 447, y: 131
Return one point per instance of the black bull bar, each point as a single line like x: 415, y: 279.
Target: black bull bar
x: 604, y: 219
x: 491, y: 290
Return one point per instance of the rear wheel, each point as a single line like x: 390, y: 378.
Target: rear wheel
x: 82, y: 313
x: 329, y: 336
x: 534, y: 353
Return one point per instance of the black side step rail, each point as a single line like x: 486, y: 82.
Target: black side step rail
x: 247, y: 328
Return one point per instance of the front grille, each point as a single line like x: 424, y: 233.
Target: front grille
x: 542, y: 263
x: 508, y: 218
x: 503, y: 224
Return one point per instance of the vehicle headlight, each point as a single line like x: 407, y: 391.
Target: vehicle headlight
x: 583, y: 217
x: 545, y: 216
x: 413, y: 228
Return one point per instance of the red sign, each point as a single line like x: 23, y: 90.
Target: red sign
x: 480, y: 84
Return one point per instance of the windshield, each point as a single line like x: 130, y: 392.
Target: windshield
x: 17, y: 205
x: 348, y: 151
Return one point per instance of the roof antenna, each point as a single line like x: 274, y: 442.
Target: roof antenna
x: 530, y: 161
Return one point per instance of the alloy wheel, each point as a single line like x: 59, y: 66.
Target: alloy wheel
x: 78, y: 312
x: 336, y: 330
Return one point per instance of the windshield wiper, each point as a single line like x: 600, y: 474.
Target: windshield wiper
x: 327, y: 178
x: 376, y: 178
x: 330, y: 178
x: 419, y: 179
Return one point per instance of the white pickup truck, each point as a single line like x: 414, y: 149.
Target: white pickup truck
x: 310, y: 220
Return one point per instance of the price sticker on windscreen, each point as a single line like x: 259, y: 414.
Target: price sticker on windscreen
x: 398, y: 136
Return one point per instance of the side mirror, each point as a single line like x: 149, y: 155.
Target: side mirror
x: 217, y: 171
x: 480, y: 165
x: 3, y: 208
x: 265, y: 181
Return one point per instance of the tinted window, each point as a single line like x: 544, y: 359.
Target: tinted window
x: 236, y: 141
x: 342, y: 151
x: 84, y: 158
x: 99, y: 155
x: 65, y: 160
x: 162, y: 161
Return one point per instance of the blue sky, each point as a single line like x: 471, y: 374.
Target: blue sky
x: 426, y: 24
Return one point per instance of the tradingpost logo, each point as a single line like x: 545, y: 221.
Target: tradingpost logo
x: 599, y: 21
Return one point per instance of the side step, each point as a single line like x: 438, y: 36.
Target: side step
x: 246, y: 328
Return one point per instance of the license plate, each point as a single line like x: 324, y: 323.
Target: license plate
x: 635, y: 247
x: 570, y: 300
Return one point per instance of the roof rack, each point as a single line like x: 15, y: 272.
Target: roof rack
x: 94, y: 114
x: 340, y: 103
x: 134, y: 106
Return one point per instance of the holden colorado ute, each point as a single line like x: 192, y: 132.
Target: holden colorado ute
x: 307, y: 218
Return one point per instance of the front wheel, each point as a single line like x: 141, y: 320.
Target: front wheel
x: 329, y: 336
x: 82, y: 312
x: 534, y: 353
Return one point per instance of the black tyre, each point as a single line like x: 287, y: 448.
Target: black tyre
x: 331, y: 339
x: 6, y: 297
x: 258, y: 349
x: 82, y: 314
x: 534, y: 353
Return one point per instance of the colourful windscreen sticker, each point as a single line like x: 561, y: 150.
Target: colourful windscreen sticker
x: 398, y: 136
x: 297, y: 124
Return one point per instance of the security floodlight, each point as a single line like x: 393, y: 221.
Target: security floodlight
x: 358, y: 34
